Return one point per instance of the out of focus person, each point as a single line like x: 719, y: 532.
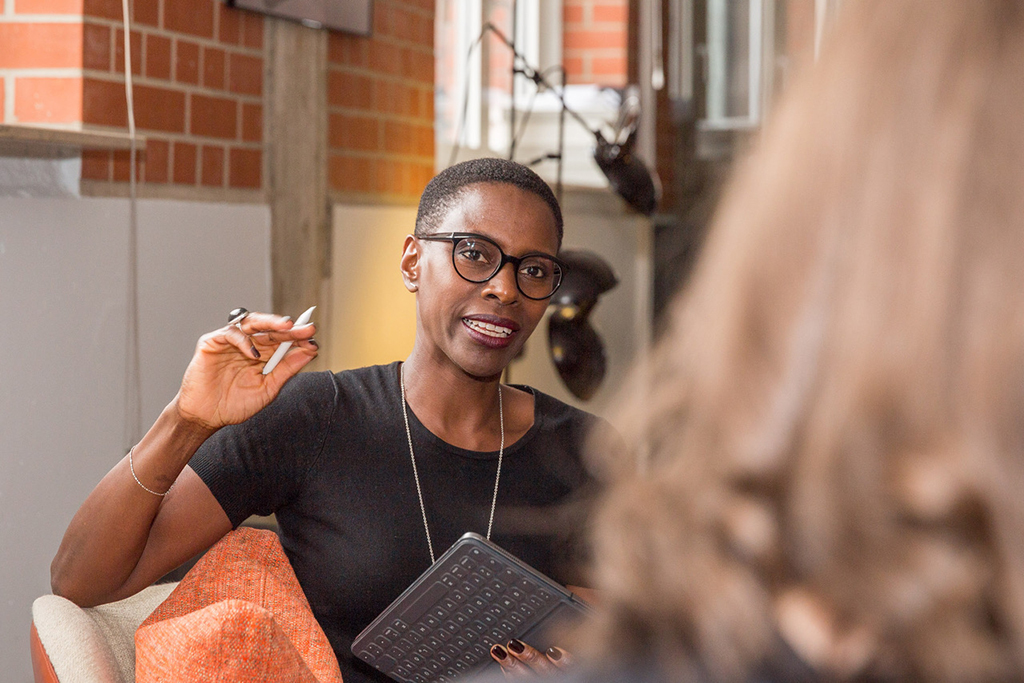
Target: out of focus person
x: 833, y: 485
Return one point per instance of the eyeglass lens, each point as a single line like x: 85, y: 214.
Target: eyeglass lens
x: 478, y: 260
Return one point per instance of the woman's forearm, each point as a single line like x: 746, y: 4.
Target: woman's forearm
x: 109, y: 534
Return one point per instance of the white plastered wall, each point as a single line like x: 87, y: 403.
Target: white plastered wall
x: 63, y: 300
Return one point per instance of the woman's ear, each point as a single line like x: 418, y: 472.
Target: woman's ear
x: 410, y: 263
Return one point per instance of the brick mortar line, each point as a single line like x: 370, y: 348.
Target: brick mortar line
x: 53, y: 19
x: 378, y: 156
x: 377, y: 75
x: 571, y: 52
x: 594, y: 25
x: 8, y: 100
x: 601, y: 51
x: 380, y: 116
x: 387, y: 78
x: 377, y: 118
x: 424, y: 13
x: 178, y: 86
x: 179, y: 137
x: 166, y: 33
x: 171, y: 190
x: 62, y: 72
x: 395, y: 41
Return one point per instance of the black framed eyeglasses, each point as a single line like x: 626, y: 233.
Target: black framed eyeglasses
x: 477, y: 259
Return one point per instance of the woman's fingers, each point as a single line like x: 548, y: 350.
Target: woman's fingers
x: 510, y: 666
x: 225, y: 384
x: 519, y: 660
x: 254, y: 323
x: 271, y: 338
x: 559, y: 657
x: 298, y: 356
x: 240, y: 340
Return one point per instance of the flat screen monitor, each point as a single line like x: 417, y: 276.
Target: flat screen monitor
x: 353, y: 16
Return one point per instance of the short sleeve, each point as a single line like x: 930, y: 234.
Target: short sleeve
x: 259, y: 466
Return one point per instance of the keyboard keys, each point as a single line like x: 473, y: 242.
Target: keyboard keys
x: 446, y: 632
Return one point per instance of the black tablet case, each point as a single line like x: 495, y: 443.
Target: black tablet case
x: 474, y: 596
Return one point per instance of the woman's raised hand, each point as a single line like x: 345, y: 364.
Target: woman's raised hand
x: 224, y: 383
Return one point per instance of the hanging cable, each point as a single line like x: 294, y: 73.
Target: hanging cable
x: 460, y: 130
x: 132, y: 379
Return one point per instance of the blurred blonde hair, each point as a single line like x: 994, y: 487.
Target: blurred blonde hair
x: 834, y: 420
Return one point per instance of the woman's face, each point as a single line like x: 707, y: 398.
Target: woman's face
x: 452, y: 313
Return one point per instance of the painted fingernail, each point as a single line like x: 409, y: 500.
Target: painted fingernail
x: 499, y: 652
x: 554, y: 653
x: 255, y: 353
x: 516, y: 646
x: 287, y: 318
x: 314, y: 342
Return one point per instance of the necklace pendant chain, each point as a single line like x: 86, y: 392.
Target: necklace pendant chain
x: 416, y: 476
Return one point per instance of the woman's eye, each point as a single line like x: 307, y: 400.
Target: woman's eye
x: 471, y: 254
x: 535, y: 272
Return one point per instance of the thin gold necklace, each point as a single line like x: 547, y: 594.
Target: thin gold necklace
x: 416, y: 476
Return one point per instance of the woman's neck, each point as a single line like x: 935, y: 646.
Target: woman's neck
x: 459, y: 409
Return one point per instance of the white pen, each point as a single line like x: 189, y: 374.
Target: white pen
x: 284, y: 346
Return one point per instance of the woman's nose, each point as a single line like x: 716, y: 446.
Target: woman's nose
x: 503, y: 285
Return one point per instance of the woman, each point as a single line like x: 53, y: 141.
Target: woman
x: 372, y: 473
x: 833, y: 421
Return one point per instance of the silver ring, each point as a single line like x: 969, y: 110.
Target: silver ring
x: 236, y: 316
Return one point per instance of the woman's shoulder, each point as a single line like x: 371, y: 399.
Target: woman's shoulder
x: 556, y: 411
x: 372, y: 384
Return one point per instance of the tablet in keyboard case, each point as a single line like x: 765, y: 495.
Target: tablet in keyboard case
x: 474, y: 596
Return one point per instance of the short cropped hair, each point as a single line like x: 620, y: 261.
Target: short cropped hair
x: 444, y: 190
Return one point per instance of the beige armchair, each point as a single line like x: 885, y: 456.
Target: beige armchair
x: 94, y: 645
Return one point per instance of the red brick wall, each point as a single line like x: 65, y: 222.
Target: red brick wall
x: 40, y: 58
x: 594, y: 35
x: 380, y: 94
x: 198, y: 84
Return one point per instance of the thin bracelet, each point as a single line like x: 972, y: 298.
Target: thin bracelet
x: 131, y: 466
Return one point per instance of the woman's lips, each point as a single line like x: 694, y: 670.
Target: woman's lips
x: 491, y: 331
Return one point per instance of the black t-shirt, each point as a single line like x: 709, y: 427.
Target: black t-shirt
x: 331, y: 459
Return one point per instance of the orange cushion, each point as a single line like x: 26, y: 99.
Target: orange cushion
x: 238, y: 615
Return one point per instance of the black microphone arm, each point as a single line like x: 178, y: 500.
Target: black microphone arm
x: 539, y: 79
